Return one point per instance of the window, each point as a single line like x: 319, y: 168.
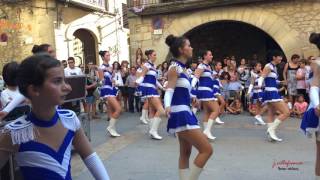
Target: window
x: 125, y: 16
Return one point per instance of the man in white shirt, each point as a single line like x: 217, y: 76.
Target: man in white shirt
x: 72, y: 70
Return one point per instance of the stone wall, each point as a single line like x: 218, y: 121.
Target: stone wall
x: 25, y: 24
x: 289, y: 23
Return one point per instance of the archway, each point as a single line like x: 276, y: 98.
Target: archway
x: 85, y: 46
x: 232, y: 38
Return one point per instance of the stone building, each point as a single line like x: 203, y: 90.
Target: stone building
x: 239, y: 27
x: 78, y: 28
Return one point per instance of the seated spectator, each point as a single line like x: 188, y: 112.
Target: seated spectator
x: 235, y: 107
x: 224, y: 80
x: 300, y: 106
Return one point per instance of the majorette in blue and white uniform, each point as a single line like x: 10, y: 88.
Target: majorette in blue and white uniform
x: 193, y: 92
x: 216, y: 84
x: 205, y: 90
x: 37, y: 160
x: 271, y: 93
x: 107, y: 90
x: 149, y: 85
x: 181, y: 117
x: 257, y: 91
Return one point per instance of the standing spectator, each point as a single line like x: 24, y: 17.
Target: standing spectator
x: 225, y: 78
x: 164, y: 71
x: 131, y: 83
x: 244, y: 75
x: 81, y: 66
x: 92, y: 85
x: 301, y: 79
x: 118, y: 81
x: 124, y: 90
x: 227, y: 64
x: 289, y: 75
x: 72, y: 70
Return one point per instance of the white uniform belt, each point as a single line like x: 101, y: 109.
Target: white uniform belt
x: 202, y: 88
x: 148, y: 85
x: 271, y: 89
x: 179, y: 108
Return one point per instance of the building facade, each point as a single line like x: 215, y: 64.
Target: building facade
x: 242, y: 27
x: 78, y: 28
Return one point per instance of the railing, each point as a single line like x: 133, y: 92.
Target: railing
x: 143, y: 3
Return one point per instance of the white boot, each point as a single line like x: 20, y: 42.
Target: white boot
x: 154, y: 128
x: 194, y: 110
x: 218, y: 121
x: 207, y: 130
x: 317, y: 178
x: 195, y: 172
x: 183, y: 174
x: 143, y: 116
x: 260, y: 120
x: 272, y: 130
x: 112, y: 129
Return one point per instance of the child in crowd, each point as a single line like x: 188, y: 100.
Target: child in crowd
x: 42, y: 140
x: 235, y: 107
x: 300, y: 106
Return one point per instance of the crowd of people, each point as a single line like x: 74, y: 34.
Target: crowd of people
x: 175, y: 90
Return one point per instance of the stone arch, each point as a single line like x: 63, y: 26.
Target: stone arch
x: 80, y: 24
x: 273, y: 25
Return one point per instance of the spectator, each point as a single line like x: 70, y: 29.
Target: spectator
x: 131, y: 83
x: 235, y: 107
x: 300, y: 106
x: 9, y: 74
x: 92, y: 85
x: 244, y: 75
x: 301, y: 79
x: 224, y: 80
x: 118, y: 81
x: 64, y: 63
x: 164, y: 67
x: 289, y: 75
x: 124, y: 90
x: 81, y: 66
x: 72, y: 70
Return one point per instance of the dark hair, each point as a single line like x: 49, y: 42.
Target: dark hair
x: 215, y: 63
x: 304, y: 61
x: 175, y: 43
x: 315, y: 39
x: 40, y: 48
x: 71, y: 58
x: 63, y: 61
x: 295, y: 56
x: 119, y: 66
x: 162, y: 66
x: 273, y: 53
x: 33, y: 71
x: 9, y: 73
x: 148, y: 52
x: 102, y: 53
x: 204, y: 53
x: 256, y: 63
x: 224, y: 73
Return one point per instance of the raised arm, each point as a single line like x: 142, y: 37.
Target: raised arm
x: 265, y: 72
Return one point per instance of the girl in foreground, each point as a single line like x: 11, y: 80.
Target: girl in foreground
x: 42, y: 140
x: 181, y: 119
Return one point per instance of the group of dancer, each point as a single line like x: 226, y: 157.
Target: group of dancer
x: 42, y: 140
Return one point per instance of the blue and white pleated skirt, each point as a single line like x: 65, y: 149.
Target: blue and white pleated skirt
x: 193, y: 93
x: 206, y: 94
x: 149, y: 92
x: 181, y: 119
x: 271, y: 96
x: 257, y: 96
x: 108, y: 92
x: 310, y: 122
x: 216, y: 92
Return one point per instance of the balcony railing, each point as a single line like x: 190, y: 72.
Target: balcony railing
x: 148, y: 7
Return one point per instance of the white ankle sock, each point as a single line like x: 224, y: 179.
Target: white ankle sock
x: 183, y: 174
